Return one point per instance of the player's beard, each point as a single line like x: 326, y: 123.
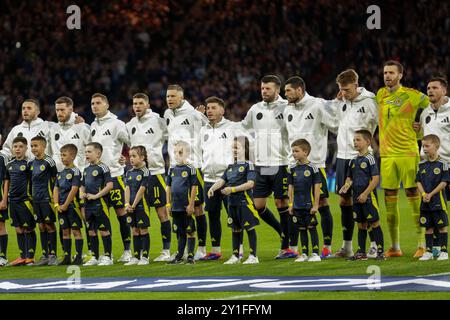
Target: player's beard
x: 270, y: 99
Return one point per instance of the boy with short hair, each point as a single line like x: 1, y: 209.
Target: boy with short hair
x: 3, y: 212
x: 17, y: 183
x: 66, y: 202
x: 43, y: 174
x: 304, y: 193
x: 432, y: 178
x: 181, y: 191
x: 363, y: 177
x: 95, y: 187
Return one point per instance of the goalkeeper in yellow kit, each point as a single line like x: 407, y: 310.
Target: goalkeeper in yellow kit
x: 399, y: 151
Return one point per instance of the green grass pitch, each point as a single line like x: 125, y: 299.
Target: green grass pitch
x: 268, y: 246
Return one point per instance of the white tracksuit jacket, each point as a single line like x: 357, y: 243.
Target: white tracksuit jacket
x: 149, y: 131
x: 111, y: 133
x: 184, y: 124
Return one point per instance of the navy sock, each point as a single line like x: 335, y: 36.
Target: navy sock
x: 125, y: 232
x: 94, y: 245
x: 362, y: 238
x: 191, y: 246
x: 293, y: 233
x: 166, y: 234
x: 52, y: 243
x: 215, y: 227
x: 304, y: 241
x: 326, y: 221
x: 44, y: 242
x: 3, y: 245
x: 31, y: 244
x: 107, y: 245
x: 314, y: 239
x: 21, y: 242
x: 429, y: 242
x: 284, y: 222
x: 137, y: 246
x: 436, y: 241
x: 79, y: 247
x: 252, y: 241
x: 201, y: 230
x: 236, y: 242
x: 443, y: 241
x: 182, y: 239
x: 67, y: 247
x: 347, y: 222
x: 145, y: 239
x: 378, y: 238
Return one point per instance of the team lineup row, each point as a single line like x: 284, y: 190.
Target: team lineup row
x: 272, y: 126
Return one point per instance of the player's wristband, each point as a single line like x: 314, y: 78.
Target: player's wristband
x: 423, y: 194
x: 56, y: 205
x: 233, y: 189
x: 168, y: 205
x: 290, y: 204
x: 127, y: 205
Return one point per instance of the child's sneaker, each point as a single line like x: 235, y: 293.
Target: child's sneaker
x: 52, y: 260
x: 126, y: 256
x: 3, y: 262
x: 302, y: 258
x: 91, y: 262
x: 176, y: 261
x: 190, y: 260
x: 251, y: 260
x: 133, y: 261
x: 164, y: 256
x: 199, y: 255
x: 212, y: 256
x: 443, y: 256
x: 436, y: 251
x: 358, y: 256
x: 143, y: 261
x: 43, y: 261
x: 29, y: 262
x: 18, y: 262
x: 342, y: 253
x: 326, y: 253
x: 106, y: 261
x: 315, y: 258
x: 233, y: 260
x: 373, y: 253
x: 426, y: 256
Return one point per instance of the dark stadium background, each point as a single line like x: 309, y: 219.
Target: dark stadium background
x: 210, y: 47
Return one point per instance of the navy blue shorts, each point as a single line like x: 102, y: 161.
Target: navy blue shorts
x: 156, y: 191
x: 45, y: 212
x: 365, y: 212
x: 117, y: 194
x: 21, y: 214
x: 271, y: 179
x: 182, y: 223
x: 302, y: 218
x: 139, y: 218
x: 433, y: 219
x: 242, y: 217
x: 71, y: 219
x: 214, y: 204
x: 97, y: 218
x: 341, y: 175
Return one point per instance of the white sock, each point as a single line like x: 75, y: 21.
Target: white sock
x: 241, y: 249
x: 201, y: 249
x: 373, y: 244
x: 348, y: 246
x: 396, y: 246
x: 215, y: 250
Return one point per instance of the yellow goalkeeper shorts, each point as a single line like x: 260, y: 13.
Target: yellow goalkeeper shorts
x: 396, y: 170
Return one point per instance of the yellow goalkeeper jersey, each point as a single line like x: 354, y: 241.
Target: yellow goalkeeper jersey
x: 397, y: 112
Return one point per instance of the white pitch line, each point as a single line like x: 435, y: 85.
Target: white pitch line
x: 435, y: 274
x: 248, y: 296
